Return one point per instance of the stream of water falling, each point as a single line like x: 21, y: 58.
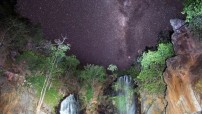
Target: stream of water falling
x: 69, y: 105
x: 126, y: 97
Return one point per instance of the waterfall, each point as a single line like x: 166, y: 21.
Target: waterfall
x: 69, y: 105
x: 126, y: 98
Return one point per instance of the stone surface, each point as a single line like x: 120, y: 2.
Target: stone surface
x: 15, y: 99
x: 152, y: 104
x: 183, y: 74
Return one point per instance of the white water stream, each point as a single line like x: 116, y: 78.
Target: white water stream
x: 126, y: 99
x: 69, y: 105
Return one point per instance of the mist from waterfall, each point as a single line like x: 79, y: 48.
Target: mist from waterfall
x: 126, y: 97
x: 69, y: 105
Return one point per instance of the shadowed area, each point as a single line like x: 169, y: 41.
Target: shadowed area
x: 103, y: 31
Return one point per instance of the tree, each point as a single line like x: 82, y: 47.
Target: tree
x: 152, y: 66
x: 57, y: 52
x: 192, y: 8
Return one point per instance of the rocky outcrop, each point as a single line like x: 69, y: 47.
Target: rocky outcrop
x: 183, y: 74
x: 152, y: 104
x: 16, y: 97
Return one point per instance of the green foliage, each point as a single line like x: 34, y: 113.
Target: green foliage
x: 152, y: 67
x: 50, y: 67
x: 38, y: 62
x: 195, y: 26
x: 34, y: 61
x: 54, y: 60
x: 36, y: 34
x: 112, y: 68
x: 52, y: 96
x: 17, y: 32
x: 93, y: 73
x: 70, y: 62
x: 133, y: 71
x: 192, y: 8
x: 89, y: 93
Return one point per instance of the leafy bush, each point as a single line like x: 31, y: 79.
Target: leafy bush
x: 92, y: 74
x: 152, y: 67
x: 192, y: 8
x: 195, y: 26
x: 34, y: 61
x: 112, y: 68
x: 17, y: 32
x: 70, y: 62
x: 50, y: 66
x: 89, y: 93
x: 132, y: 71
x: 52, y: 95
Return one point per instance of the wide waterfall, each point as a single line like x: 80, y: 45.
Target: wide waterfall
x: 69, y: 105
x: 126, y: 98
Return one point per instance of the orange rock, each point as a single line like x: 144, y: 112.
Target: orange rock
x: 182, y: 73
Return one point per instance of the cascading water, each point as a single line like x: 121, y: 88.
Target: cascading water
x: 69, y: 105
x: 126, y: 98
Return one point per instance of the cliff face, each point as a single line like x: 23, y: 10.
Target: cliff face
x: 183, y: 74
x: 18, y: 99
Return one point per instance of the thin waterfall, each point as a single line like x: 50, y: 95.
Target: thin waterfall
x: 126, y: 97
x: 69, y: 105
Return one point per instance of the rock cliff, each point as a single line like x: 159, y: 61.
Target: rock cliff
x: 183, y: 74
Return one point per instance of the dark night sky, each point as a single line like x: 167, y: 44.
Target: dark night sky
x: 103, y: 31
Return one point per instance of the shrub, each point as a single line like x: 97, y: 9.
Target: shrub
x: 152, y: 67
x: 195, y: 26
x: 52, y: 95
x: 89, y: 93
x: 112, y: 68
x: 70, y: 63
x: 34, y: 61
x: 50, y: 66
x: 92, y: 74
x: 132, y: 71
x: 192, y: 8
x: 17, y: 32
x: 193, y: 11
